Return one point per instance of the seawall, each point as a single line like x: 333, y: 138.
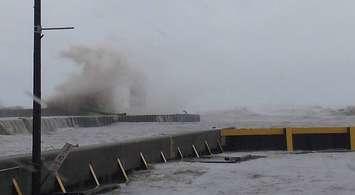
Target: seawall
x: 23, y: 125
x: 75, y: 171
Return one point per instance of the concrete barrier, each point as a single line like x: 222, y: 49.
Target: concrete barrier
x: 160, y: 118
x: 185, y: 142
x: 21, y: 112
x: 11, y: 126
x: 27, y: 112
x: 75, y: 169
x: 311, y: 138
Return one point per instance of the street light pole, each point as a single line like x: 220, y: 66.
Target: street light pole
x: 36, y: 127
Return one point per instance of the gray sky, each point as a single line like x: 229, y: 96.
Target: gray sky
x: 207, y: 53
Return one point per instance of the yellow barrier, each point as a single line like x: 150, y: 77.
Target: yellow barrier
x: 319, y: 130
x: 352, y: 138
x: 289, y: 132
x: 289, y: 139
x: 241, y: 132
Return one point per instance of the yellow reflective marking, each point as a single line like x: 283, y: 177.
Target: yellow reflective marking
x: 122, y: 169
x: 17, y: 186
x: 60, y: 182
x: 94, y: 174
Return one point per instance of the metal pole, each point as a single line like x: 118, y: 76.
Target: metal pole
x: 36, y: 131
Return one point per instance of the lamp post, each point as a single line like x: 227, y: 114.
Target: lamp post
x: 36, y: 127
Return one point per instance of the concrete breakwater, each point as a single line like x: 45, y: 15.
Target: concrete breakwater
x: 12, y: 126
x: 75, y: 172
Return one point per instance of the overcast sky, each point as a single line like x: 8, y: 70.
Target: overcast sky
x: 208, y: 53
